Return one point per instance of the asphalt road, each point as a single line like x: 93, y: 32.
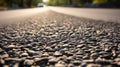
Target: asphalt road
x: 44, y: 38
x: 19, y: 15
x: 112, y: 15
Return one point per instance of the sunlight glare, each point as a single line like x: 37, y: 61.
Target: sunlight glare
x: 45, y: 0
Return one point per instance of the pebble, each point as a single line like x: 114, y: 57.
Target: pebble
x: 70, y: 65
x: 85, y: 57
x: 13, y: 59
x: 60, y: 64
x: 66, y: 45
x: 11, y: 46
x: 33, y: 53
x: 2, y: 61
x: 41, y: 61
x: 94, y: 55
x: 28, y: 62
x: 93, y: 65
x: 88, y: 61
x: 24, y: 54
x: 4, y: 55
x: 28, y: 46
x: 76, y: 62
x: 57, y: 54
x: 53, y: 61
x: 80, y: 46
x: 45, y: 54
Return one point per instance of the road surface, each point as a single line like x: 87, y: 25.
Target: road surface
x: 19, y: 15
x: 112, y: 15
x: 43, y: 38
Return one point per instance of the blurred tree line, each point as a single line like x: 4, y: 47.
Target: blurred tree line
x: 75, y: 3
x: 83, y: 3
x: 69, y: 2
x: 19, y: 3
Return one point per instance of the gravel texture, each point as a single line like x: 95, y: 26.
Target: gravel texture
x: 51, y: 39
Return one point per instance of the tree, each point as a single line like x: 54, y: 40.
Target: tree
x: 99, y: 1
x: 71, y: 2
x: 2, y: 3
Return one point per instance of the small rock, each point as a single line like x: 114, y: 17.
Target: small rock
x: 117, y: 59
x: 57, y: 54
x: 76, y: 62
x: 73, y: 51
x: 53, y: 61
x: 28, y: 62
x: 102, y: 52
x: 69, y: 58
x: 45, y: 54
x: 24, y: 54
x: 88, y: 61
x: 11, y: 46
x: 83, y: 65
x: 12, y: 59
x: 86, y: 57
x: 33, y: 53
x: 79, y: 56
x: 66, y: 45
x: 60, y: 64
x: 84, y: 48
x: 2, y: 62
x: 56, y: 48
x: 69, y: 53
x: 28, y: 46
x: 94, y: 55
x: 80, y: 53
x: 80, y: 46
x: 4, y: 55
x: 41, y: 61
x: 70, y: 65
x: 93, y: 65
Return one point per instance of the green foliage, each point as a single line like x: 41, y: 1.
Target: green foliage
x: 105, y: 1
x: 85, y: 1
x: 52, y: 2
x: 33, y: 3
x: 63, y: 2
x: 68, y: 2
x: 20, y: 3
x: 99, y: 1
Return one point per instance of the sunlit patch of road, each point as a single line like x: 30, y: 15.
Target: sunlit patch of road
x: 111, y: 15
x: 20, y: 14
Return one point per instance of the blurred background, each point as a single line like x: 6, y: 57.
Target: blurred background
x: 14, y: 4
x: 86, y: 3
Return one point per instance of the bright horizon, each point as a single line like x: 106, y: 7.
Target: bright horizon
x: 45, y: 0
